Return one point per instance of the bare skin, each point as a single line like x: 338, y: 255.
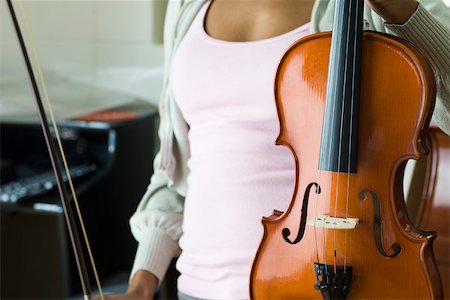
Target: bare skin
x: 250, y: 20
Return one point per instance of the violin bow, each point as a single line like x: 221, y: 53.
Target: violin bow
x: 68, y: 213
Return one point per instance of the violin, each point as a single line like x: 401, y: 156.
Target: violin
x: 353, y: 107
x: 430, y: 203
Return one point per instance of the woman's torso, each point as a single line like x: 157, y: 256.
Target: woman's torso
x: 237, y: 175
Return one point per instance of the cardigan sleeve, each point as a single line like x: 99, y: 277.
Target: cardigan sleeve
x: 429, y: 29
x: 156, y: 224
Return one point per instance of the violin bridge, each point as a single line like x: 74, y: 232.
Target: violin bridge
x: 324, y: 221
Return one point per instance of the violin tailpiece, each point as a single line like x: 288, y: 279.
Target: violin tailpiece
x: 333, y: 284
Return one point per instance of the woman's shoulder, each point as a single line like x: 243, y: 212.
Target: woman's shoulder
x: 179, y: 16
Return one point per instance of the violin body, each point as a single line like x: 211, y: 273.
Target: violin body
x: 434, y: 199
x: 389, y: 257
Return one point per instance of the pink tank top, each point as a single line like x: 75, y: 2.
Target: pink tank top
x: 225, y: 91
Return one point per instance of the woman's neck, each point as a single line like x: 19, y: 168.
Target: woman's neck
x: 249, y: 20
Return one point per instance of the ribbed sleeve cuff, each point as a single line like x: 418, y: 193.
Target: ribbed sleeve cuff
x: 428, y: 34
x: 154, y: 254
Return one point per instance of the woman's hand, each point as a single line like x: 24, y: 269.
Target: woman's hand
x: 393, y: 11
x: 142, y: 287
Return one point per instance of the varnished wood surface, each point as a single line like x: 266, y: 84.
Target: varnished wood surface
x: 434, y: 209
x: 396, y: 103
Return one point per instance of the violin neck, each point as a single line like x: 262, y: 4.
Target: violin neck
x: 338, y: 150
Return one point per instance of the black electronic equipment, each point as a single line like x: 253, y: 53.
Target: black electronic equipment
x: 110, y: 155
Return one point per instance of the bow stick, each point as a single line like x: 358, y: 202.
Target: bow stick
x: 68, y: 213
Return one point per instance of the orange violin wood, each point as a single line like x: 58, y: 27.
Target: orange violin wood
x: 396, y: 102
x: 435, y: 209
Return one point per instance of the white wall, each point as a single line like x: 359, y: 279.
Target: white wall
x: 86, y: 40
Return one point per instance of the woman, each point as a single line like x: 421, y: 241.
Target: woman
x: 218, y: 120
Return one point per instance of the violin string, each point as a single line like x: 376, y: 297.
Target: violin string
x: 344, y: 90
x: 338, y: 11
x: 355, y: 44
x: 319, y: 187
x: 315, y: 213
x: 60, y: 146
x: 323, y: 234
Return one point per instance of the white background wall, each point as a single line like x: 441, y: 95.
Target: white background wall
x: 95, y: 33
x: 97, y: 41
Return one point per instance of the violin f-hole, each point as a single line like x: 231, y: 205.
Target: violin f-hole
x: 377, y: 224
x: 286, y: 232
